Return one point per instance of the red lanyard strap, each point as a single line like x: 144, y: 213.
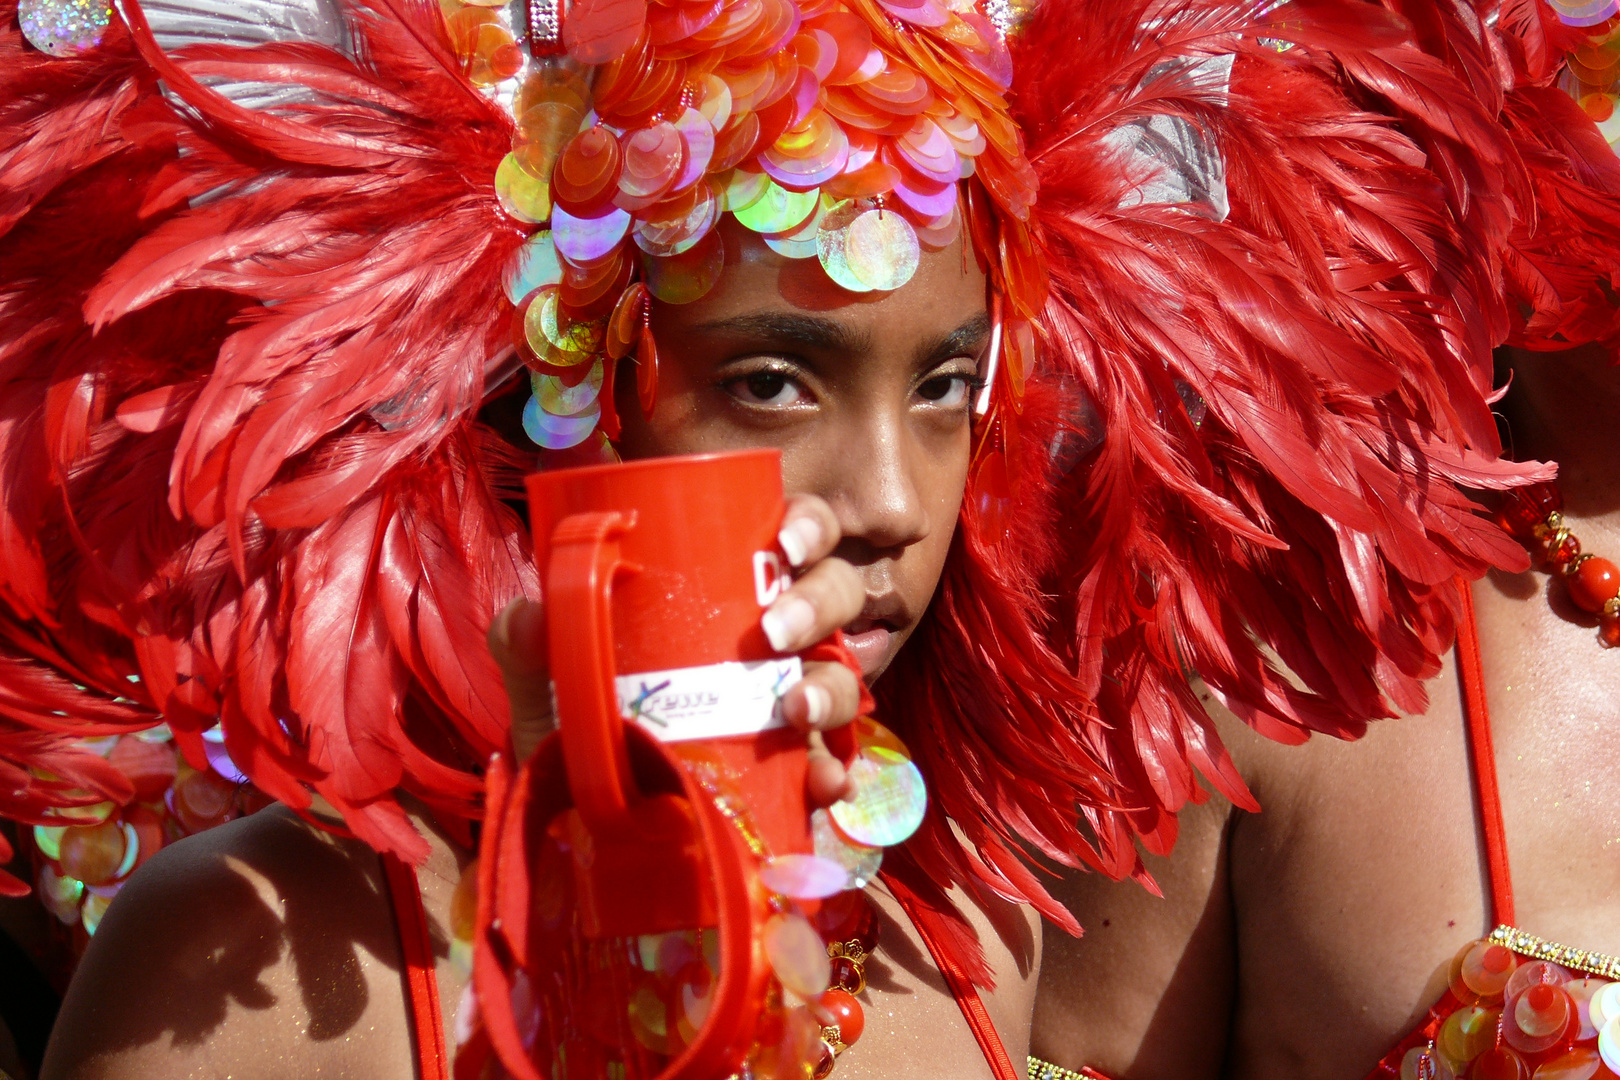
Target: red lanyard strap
x: 421, y: 983
x: 1482, y: 753
x: 930, y: 928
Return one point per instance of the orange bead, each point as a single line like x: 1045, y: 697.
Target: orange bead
x: 838, y: 1008
x: 1594, y: 583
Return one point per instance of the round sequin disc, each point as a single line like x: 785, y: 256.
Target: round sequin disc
x: 832, y: 246
x: 60, y: 894
x: 546, y: 338
x: 882, y: 250
x: 778, y: 210
x: 557, y: 432
x: 219, y: 759
x: 667, y: 236
x: 536, y: 267
x: 698, y: 136
x: 803, y: 243
x: 803, y: 877
x: 653, y: 159
x: 95, y: 906
x: 888, y: 805
x: 560, y: 399
x: 93, y: 853
x: 624, y: 325
x: 587, y: 171
x: 797, y: 954
x: 1605, y: 1005
x: 744, y: 189
x: 63, y: 27
x: 1609, y: 1044
x: 1533, y: 973
x: 860, y: 863
x: 584, y: 240
x: 1467, y: 1033
x: 1416, y: 1065
x: 1486, y: 968
x: 879, y: 743
x: 542, y: 132
x: 1580, y: 991
x: 683, y: 278
x: 1580, y: 1063
x: 48, y: 838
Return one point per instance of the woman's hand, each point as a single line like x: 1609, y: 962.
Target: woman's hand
x: 827, y: 595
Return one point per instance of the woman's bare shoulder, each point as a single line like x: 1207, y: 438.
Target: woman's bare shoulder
x: 259, y: 945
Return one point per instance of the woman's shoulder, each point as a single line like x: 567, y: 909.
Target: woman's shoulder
x: 258, y: 946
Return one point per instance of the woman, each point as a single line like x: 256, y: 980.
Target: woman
x: 257, y: 346
x: 1323, y: 937
x: 1327, y: 936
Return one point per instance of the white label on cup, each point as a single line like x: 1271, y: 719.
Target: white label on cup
x: 709, y: 702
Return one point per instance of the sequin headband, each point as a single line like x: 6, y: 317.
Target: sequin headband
x: 856, y: 132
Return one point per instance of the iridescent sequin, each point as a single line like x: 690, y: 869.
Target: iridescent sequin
x: 523, y: 196
x: 797, y: 954
x: 64, y: 27
x: 890, y: 796
x: 860, y: 863
x: 558, y: 432
x: 803, y: 877
x: 560, y: 399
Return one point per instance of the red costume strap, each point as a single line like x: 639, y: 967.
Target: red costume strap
x: 1482, y: 754
x: 932, y: 931
x: 421, y: 983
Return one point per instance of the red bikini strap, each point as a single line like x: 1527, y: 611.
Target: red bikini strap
x: 421, y: 983
x: 1483, y: 753
x: 931, y: 930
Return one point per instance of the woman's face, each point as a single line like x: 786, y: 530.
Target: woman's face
x: 868, y: 397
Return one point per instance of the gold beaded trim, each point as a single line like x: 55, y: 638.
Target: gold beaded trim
x: 1045, y: 1070
x: 1592, y: 963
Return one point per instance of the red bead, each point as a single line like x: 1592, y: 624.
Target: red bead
x: 848, y: 975
x: 825, y: 1061
x: 1528, y: 507
x: 838, y: 1008
x: 847, y: 916
x: 1609, y: 627
x: 1561, y: 554
x: 1594, y: 583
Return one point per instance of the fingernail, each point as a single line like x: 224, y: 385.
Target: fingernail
x: 798, y: 537
x: 817, y: 705
x: 788, y: 622
x: 501, y: 633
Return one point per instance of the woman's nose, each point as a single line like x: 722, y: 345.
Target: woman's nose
x: 876, y: 494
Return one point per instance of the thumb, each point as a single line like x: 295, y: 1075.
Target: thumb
x: 518, y: 642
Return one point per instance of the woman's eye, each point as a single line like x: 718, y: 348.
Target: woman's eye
x: 766, y: 388
x: 946, y: 391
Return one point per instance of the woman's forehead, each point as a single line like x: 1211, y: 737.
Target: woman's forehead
x: 948, y: 287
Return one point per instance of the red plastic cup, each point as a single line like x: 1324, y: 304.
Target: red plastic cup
x: 655, y: 575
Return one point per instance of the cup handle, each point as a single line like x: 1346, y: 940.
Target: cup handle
x: 584, y: 559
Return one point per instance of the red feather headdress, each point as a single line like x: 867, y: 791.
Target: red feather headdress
x: 243, y: 348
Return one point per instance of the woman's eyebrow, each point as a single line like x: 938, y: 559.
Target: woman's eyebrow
x: 966, y: 340
x: 806, y: 331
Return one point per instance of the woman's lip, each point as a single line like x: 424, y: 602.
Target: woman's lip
x: 871, y: 648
